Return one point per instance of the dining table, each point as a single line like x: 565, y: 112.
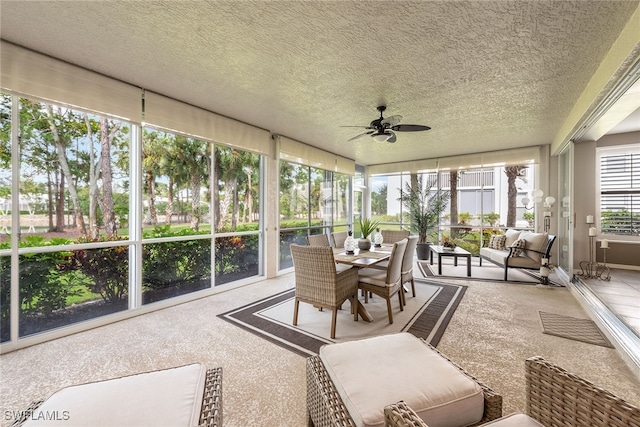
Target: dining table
x: 361, y: 259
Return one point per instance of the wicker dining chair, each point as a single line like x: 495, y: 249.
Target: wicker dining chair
x: 392, y: 236
x: 554, y: 397
x: 385, y: 283
x: 338, y: 238
x: 321, y: 282
x: 318, y: 240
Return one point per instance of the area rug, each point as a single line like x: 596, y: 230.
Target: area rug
x: 488, y: 271
x: 573, y: 328
x: 426, y: 316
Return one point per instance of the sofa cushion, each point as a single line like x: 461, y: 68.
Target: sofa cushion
x: 499, y: 242
x: 372, y: 373
x: 518, y: 246
x: 511, y: 236
x: 534, y: 242
x: 171, y: 397
x: 514, y: 420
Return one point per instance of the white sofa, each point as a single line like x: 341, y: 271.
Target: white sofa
x: 518, y: 249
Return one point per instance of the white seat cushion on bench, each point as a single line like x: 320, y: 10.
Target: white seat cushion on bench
x: 170, y: 397
x: 372, y: 373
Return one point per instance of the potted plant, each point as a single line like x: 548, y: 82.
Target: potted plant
x: 423, y: 207
x: 367, y: 226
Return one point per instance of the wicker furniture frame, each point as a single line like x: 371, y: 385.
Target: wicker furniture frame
x: 392, y: 236
x: 338, y: 238
x: 392, y: 282
x: 318, y: 240
x: 326, y: 408
x: 554, y: 397
x: 320, y: 284
x: 210, y: 412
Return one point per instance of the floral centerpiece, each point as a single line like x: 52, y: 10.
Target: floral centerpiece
x: 448, y: 243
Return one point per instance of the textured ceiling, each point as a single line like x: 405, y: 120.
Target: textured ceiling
x: 484, y: 75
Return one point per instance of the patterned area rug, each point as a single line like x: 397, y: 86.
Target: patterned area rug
x: 426, y: 316
x: 487, y: 272
x: 573, y: 328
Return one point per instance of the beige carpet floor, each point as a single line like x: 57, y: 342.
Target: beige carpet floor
x: 494, y: 329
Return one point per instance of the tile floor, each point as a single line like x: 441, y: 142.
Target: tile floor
x: 621, y: 295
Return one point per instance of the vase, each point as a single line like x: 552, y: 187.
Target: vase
x: 364, y: 244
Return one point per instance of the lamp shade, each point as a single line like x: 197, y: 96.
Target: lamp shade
x: 381, y: 137
x: 550, y: 200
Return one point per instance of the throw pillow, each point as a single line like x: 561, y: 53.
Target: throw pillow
x: 512, y: 236
x: 492, y: 241
x: 518, y: 247
x: 500, y: 242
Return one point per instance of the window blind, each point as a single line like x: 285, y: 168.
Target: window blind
x: 28, y: 73
x: 298, y: 152
x: 620, y: 194
x: 183, y: 118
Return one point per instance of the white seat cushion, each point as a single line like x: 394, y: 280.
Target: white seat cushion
x: 171, y: 397
x: 514, y: 420
x: 372, y: 373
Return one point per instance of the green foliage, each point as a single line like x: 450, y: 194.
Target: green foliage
x: 423, y: 206
x: 108, y: 269
x: 175, y: 263
x: 367, y: 226
x: 491, y: 219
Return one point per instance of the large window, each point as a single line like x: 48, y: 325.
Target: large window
x: 619, y: 180
x: 102, y: 229
x: 312, y: 201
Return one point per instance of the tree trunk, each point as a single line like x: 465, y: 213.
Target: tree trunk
x: 216, y: 192
x: 94, y: 230
x: 235, y: 206
x: 512, y: 194
x: 169, y: 212
x: 60, y: 205
x: 453, y: 201
x: 195, y: 200
x: 108, y: 214
x: 64, y: 165
x: 152, y: 217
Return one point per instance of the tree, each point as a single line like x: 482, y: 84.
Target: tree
x: 513, y: 173
x: 453, y: 206
x: 379, y: 200
x: 195, y: 158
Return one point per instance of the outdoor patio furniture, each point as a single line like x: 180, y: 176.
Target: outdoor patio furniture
x: 349, y: 383
x: 322, y: 282
x: 554, y: 397
x: 318, y: 240
x: 519, y: 249
x: 338, y: 238
x: 183, y: 396
x: 407, y: 264
x: 392, y: 236
x: 385, y: 283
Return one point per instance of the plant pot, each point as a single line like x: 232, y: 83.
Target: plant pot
x: 422, y: 250
x: 364, y: 244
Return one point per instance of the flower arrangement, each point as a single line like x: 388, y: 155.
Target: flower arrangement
x: 448, y: 242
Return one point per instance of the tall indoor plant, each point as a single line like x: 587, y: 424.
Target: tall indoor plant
x: 423, y: 206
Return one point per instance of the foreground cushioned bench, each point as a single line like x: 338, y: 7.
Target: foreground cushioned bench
x: 189, y: 395
x: 350, y: 383
x: 554, y: 397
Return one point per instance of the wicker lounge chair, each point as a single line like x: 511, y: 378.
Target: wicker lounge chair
x: 210, y: 410
x: 555, y: 397
x: 321, y: 282
x: 325, y: 407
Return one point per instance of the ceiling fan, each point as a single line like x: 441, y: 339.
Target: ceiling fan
x: 383, y: 129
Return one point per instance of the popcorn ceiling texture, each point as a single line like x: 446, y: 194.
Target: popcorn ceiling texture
x: 484, y: 75
x: 494, y: 329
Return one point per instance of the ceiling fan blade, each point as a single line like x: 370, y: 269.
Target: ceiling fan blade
x: 391, y: 120
x: 361, y: 135
x: 392, y: 138
x: 361, y: 127
x: 410, y: 128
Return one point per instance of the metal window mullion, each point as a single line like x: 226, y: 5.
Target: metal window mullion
x: 15, y: 219
x: 135, y: 218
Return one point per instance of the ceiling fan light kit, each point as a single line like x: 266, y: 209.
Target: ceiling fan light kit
x: 383, y: 129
